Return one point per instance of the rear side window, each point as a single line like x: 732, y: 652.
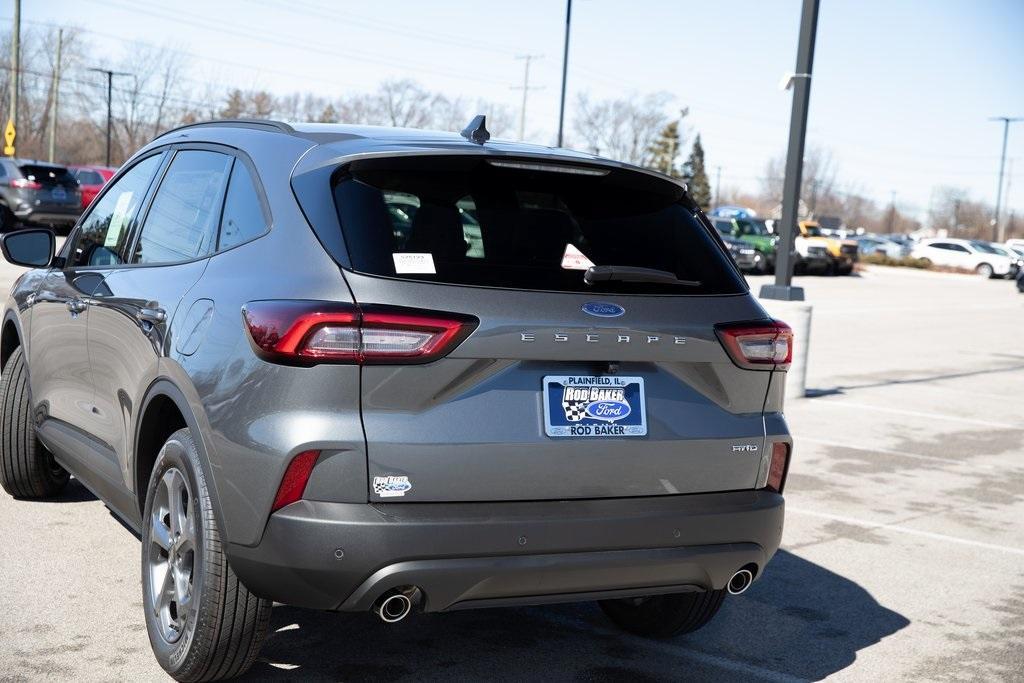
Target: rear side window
x: 47, y: 175
x: 466, y: 221
x: 102, y: 235
x: 182, y: 221
x: 243, y: 214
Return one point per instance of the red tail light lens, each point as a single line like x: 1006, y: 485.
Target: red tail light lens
x: 779, y: 467
x: 758, y: 345
x: 26, y: 184
x: 309, y: 332
x: 293, y: 483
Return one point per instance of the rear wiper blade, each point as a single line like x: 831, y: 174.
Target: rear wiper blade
x: 634, y: 274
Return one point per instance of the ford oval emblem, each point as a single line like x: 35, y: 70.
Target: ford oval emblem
x: 610, y: 411
x: 603, y: 309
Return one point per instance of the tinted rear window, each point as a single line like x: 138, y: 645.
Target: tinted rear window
x: 48, y: 175
x: 462, y: 220
x: 87, y: 177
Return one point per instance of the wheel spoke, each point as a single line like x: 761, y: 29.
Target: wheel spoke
x: 161, y: 586
x: 160, y: 533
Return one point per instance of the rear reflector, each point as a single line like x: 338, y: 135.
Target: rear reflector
x: 758, y: 345
x: 779, y: 466
x: 309, y: 332
x: 293, y: 483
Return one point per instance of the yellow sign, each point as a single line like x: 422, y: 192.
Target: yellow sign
x: 9, y: 134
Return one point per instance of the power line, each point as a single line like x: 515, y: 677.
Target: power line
x: 526, y: 88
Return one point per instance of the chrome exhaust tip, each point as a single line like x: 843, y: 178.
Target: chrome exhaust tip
x: 393, y: 606
x: 740, y: 582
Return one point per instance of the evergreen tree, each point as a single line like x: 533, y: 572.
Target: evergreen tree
x: 665, y: 149
x: 700, y: 188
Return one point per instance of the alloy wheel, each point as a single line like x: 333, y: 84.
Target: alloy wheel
x: 172, y: 555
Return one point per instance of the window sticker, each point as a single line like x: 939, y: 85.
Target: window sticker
x: 414, y: 263
x: 117, y: 220
x: 574, y: 259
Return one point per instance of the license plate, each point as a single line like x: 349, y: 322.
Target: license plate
x: 59, y: 193
x: 584, y: 406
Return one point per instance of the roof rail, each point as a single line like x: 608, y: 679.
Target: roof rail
x: 279, y: 126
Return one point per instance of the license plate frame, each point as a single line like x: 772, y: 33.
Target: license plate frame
x: 594, y: 406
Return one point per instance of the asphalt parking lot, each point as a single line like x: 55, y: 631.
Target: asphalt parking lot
x: 902, y: 559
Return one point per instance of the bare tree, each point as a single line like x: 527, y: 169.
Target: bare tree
x: 623, y: 129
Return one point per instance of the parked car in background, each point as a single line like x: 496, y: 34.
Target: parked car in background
x: 873, y: 244
x: 743, y: 254
x: 37, y: 193
x: 754, y: 232
x: 91, y: 180
x: 1016, y: 262
x: 291, y: 398
x: 1017, y: 244
x: 966, y: 254
x: 843, y: 253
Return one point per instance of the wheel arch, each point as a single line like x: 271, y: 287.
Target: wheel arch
x: 10, y: 338
x: 165, y: 410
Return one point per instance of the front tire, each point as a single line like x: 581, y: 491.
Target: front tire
x: 203, y: 623
x: 984, y: 270
x: 664, y: 616
x: 27, y: 468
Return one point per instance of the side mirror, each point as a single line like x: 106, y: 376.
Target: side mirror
x: 33, y: 248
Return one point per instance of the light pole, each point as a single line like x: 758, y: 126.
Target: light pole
x: 997, y: 233
x: 110, y: 96
x: 565, y: 69
x: 801, y: 82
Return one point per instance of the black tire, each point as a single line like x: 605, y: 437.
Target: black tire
x: 985, y: 270
x: 27, y: 468
x: 844, y: 270
x: 8, y: 222
x: 664, y: 616
x: 222, y: 624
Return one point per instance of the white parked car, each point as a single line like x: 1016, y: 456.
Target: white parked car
x: 968, y: 254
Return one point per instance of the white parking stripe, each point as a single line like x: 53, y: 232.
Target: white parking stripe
x: 907, y: 530
x: 840, y: 403
x: 885, y: 451
x: 681, y: 651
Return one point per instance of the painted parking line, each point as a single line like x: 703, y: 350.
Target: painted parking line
x: 843, y: 404
x: 886, y: 451
x: 867, y: 524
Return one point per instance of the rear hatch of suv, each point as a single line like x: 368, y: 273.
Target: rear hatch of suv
x: 50, y: 188
x: 555, y: 388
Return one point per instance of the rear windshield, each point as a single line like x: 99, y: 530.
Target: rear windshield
x: 48, y: 175
x: 466, y: 221
x: 87, y: 177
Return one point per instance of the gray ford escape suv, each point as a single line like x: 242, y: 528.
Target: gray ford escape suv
x: 357, y: 369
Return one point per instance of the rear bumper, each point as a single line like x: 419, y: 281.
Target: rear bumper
x: 345, y: 555
x: 68, y: 217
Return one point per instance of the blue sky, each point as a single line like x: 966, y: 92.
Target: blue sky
x: 901, y: 95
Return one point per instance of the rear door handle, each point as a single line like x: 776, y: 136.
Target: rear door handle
x: 76, y: 306
x: 152, y: 315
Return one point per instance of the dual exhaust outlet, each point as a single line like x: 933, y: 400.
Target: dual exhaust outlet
x: 397, y: 603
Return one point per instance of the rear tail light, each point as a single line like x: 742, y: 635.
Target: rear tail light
x: 26, y: 184
x: 293, y: 483
x: 309, y: 332
x: 779, y: 467
x: 758, y: 345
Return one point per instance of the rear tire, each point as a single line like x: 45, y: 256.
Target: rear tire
x: 27, y: 468
x: 664, y: 616
x: 984, y: 270
x: 203, y: 623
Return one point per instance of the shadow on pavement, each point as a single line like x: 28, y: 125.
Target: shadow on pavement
x: 800, y: 621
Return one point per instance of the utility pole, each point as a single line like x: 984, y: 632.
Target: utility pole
x: 892, y: 210
x: 525, y: 87
x: 801, y: 82
x: 12, y: 120
x: 110, y: 97
x: 718, y: 185
x: 565, y: 69
x: 55, y: 96
x: 1007, y: 120
x: 956, y: 216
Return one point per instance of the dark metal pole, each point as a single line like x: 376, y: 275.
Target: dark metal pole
x: 565, y: 69
x: 1007, y: 120
x: 110, y: 114
x: 783, y: 289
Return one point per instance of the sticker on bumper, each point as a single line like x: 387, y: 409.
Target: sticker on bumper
x: 391, y: 487
x: 585, y: 406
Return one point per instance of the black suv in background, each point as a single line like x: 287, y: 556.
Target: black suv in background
x: 36, y: 192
